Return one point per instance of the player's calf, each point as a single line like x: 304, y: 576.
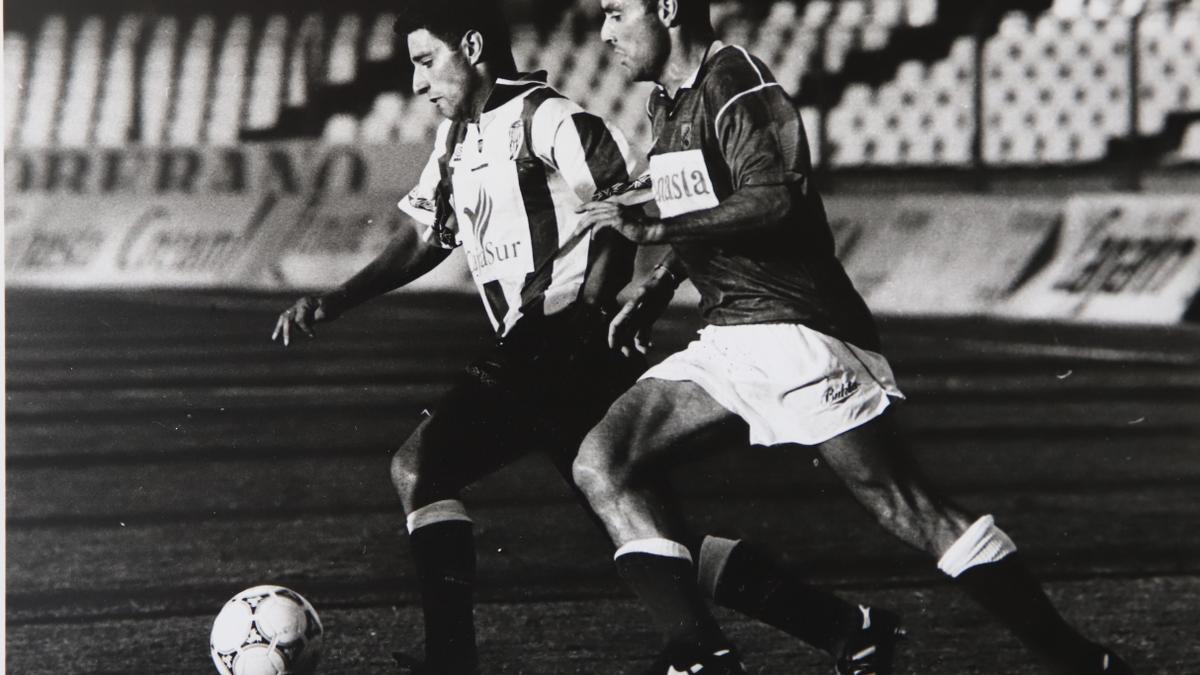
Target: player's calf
x: 741, y: 577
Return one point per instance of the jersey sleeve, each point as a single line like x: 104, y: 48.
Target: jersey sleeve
x: 586, y: 151
x: 427, y: 202
x: 751, y: 122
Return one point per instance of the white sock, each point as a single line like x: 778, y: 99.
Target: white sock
x: 981, y: 544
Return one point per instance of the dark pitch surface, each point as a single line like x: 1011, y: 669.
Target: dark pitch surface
x: 162, y: 455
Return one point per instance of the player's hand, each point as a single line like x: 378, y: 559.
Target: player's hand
x: 629, y: 222
x: 630, y: 328
x: 305, y: 312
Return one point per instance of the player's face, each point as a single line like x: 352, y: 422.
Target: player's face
x: 443, y: 74
x: 638, y: 38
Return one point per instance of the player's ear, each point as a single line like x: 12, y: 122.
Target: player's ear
x: 668, y: 12
x: 472, y: 46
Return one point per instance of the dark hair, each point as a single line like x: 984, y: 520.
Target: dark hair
x: 449, y: 20
x: 691, y: 12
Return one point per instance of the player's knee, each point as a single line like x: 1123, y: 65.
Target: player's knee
x: 406, y: 468
x: 596, y: 471
x: 404, y: 474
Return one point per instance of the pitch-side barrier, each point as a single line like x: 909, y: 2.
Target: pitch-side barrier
x: 1110, y: 257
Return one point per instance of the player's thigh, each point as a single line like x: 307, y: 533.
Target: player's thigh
x: 870, y: 456
x: 662, y: 422
x: 477, y: 428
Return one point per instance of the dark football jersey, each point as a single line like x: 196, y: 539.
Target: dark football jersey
x: 736, y: 127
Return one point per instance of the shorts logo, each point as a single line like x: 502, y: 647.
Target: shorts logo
x: 516, y: 139
x: 682, y: 183
x: 841, y: 392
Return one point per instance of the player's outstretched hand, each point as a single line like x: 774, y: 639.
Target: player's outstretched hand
x: 630, y: 328
x: 305, y: 312
x: 630, y: 222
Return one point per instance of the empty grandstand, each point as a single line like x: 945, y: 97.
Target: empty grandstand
x: 882, y: 83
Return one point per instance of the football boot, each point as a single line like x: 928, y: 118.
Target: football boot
x: 871, y: 649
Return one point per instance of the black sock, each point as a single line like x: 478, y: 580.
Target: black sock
x: 1008, y: 591
x: 745, y: 579
x: 666, y: 586
x: 444, y: 553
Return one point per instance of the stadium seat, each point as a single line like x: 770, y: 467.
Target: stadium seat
x: 192, y: 91
x: 922, y: 117
x: 343, y: 50
x: 45, y: 83
x: 158, y: 73
x: 1055, y: 91
x: 229, y: 90
x: 1168, y: 66
x: 16, y: 52
x: 115, y: 118
x: 83, y: 83
x: 304, y: 60
x: 381, y: 43
x: 266, y: 82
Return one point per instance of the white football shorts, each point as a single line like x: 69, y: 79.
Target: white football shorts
x: 790, y: 383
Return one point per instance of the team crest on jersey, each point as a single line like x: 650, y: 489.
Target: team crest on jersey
x: 685, y: 134
x: 516, y: 139
x: 682, y: 183
x: 457, y: 156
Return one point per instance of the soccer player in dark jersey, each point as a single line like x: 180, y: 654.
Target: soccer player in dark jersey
x: 511, y: 163
x: 790, y: 353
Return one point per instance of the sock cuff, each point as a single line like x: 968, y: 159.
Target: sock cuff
x: 981, y: 544
x: 714, y: 554
x: 655, y: 546
x: 437, y: 512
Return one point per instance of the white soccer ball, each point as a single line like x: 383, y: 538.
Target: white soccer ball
x: 266, y: 630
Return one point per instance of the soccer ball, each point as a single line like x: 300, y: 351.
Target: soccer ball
x: 266, y: 630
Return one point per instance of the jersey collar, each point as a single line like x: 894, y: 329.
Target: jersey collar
x: 713, y: 48
x: 507, y: 89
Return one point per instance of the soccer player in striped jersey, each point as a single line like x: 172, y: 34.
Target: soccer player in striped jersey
x: 511, y: 164
x: 511, y: 161
x: 790, y: 353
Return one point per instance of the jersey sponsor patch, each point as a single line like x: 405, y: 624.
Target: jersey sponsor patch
x: 493, y: 253
x: 682, y: 183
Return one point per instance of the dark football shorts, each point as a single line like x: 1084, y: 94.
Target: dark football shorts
x: 539, y: 389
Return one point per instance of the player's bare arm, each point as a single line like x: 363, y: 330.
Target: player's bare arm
x: 750, y: 208
x: 406, y: 258
x: 630, y: 329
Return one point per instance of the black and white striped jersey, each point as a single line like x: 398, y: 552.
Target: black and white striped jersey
x: 510, y: 184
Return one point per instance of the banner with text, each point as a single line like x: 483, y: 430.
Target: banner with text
x: 1124, y: 258
x: 323, y: 243
x: 284, y: 167
x: 936, y: 254
x: 83, y: 242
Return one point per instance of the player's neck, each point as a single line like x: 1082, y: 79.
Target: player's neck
x: 483, y: 91
x: 689, y: 48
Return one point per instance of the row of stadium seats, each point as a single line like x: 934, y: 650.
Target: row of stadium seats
x: 1056, y: 87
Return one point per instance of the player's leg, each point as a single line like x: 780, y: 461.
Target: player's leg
x: 876, y: 465
x: 469, y: 435
x: 732, y: 573
x: 621, y: 470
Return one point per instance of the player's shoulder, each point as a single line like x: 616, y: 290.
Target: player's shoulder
x: 732, y: 71
x: 546, y: 101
